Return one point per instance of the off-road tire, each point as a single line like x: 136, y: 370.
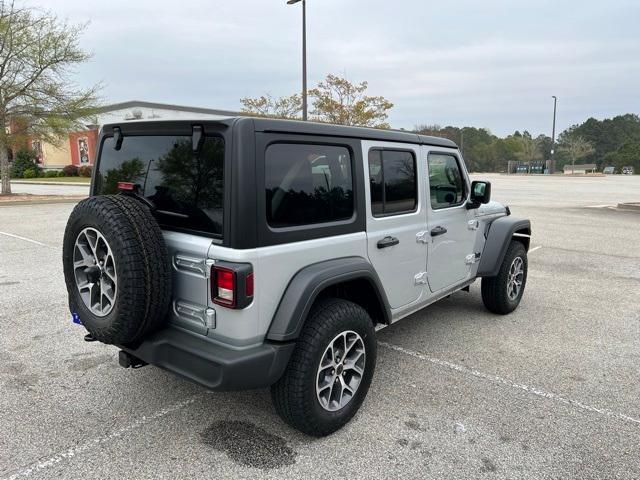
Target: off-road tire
x: 494, y: 289
x: 294, y: 395
x: 142, y: 264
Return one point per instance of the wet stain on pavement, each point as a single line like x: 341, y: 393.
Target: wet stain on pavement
x: 488, y: 465
x: 12, y: 368
x: 17, y: 376
x: 413, y: 425
x: 84, y: 364
x: 4, y: 284
x: 21, y: 382
x: 249, y: 445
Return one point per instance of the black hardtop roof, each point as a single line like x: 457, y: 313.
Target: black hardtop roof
x: 287, y: 126
x: 326, y: 129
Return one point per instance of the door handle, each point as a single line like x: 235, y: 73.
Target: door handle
x: 438, y: 231
x: 388, y: 242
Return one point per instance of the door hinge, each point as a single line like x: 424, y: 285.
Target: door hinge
x: 422, y: 237
x: 421, y: 278
x: 190, y: 311
x: 472, y: 258
x: 473, y: 224
x: 188, y: 263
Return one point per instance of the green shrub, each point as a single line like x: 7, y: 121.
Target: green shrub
x: 30, y: 173
x: 84, y: 171
x: 70, y: 171
x: 51, y: 174
x: 61, y: 173
x: 24, y: 160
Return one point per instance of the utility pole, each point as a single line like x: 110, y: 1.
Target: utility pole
x: 304, y: 55
x: 552, y: 165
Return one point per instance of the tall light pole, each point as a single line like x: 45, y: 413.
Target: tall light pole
x: 552, y: 167
x: 304, y: 55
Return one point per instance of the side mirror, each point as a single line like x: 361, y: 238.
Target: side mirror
x: 480, y: 193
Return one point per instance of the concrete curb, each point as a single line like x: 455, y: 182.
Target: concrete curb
x: 40, y: 202
x: 75, y: 184
x: 630, y: 206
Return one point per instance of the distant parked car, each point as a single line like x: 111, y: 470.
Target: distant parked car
x: 627, y: 170
x: 609, y: 170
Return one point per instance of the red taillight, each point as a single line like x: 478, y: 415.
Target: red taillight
x: 232, y: 284
x: 249, y: 285
x: 128, y: 186
x: 224, y: 286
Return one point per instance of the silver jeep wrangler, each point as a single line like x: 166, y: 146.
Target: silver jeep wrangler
x: 252, y: 253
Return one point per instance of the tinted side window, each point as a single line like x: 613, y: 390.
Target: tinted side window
x: 186, y: 188
x: 446, y: 183
x: 392, y: 182
x: 307, y: 184
x: 376, y: 182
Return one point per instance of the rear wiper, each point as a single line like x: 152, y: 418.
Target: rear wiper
x: 173, y: 214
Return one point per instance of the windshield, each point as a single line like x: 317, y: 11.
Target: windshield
x: 186, y: 187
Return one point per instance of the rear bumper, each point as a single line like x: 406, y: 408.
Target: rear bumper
x: 211, y: 365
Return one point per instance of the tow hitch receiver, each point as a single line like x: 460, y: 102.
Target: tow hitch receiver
x: 126, y: 360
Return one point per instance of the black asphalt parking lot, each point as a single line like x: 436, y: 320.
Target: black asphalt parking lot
x: 550, y: 391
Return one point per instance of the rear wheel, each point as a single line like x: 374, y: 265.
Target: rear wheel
x: 502, y: 294
x: 330, y: 370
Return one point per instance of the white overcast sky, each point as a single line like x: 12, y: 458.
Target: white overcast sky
x: 483, y: 63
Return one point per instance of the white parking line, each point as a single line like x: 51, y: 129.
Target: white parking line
x: 503, y: 381
x: 91, y: 444
x: 26, y: 239
x: 535, y: 248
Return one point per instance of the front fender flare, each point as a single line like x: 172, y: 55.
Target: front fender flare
x: 499, y: 236
x: 309, y: 282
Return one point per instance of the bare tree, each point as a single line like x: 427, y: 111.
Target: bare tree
x: 37, y: 52
x: 577, y: 147
x: 530, y: 148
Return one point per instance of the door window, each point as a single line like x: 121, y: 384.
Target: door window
x: 392, y: 182
x: 446, y: 182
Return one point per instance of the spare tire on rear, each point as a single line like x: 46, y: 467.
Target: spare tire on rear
x: 116, y: 268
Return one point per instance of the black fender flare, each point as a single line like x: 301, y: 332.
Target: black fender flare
x: 309, y: 282
x: 499, y: 236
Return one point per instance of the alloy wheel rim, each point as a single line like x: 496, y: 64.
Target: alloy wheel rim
x: 516, y: 278
x: 94, y: 269
x: 340, y: 371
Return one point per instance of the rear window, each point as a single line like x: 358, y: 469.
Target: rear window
x: 187, y: 188
x: 307, y: 184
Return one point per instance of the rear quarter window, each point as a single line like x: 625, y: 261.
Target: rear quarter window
x: 308, y: 184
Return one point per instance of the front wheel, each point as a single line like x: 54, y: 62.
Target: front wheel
x: 502, y: 294
x: 330, y: 370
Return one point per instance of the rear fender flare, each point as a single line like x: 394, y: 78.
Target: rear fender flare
x: 309, y: 282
